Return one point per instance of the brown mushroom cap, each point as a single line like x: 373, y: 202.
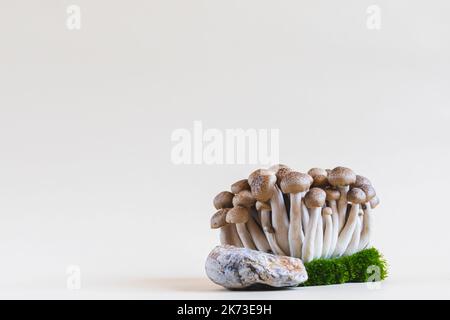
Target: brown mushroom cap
x: 263, y: 206
x: 281, y: 173
x: 257, y: 173
x: 262, y: 186
x: 356, y: 195
x: 274, y: 168
x: 317, y: 172
x: 218, y: 219
x: 244, y: 199
x: 327, y: 211
x: 332, y: 194
x: 320, y: 181
x: 315, y: 198
x: 223, y: 200
x: 374, y: 202
x: 237, y: 215
x: 341, y: 177
x: 239, y: 186
x: 361, y: 180
x: 295, y: 182
x: 369, y: 191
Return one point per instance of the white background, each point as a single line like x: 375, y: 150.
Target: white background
x: 86, y: 117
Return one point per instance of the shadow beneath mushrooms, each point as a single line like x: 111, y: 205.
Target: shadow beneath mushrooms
x: 260, y: 287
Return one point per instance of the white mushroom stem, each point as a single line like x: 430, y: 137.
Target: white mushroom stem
x: 257, y: 234
x: 280, y: 220
x: 245, y: 236
x: 335, y: 221
x: 318, y: 240
x: 311, y: 230
x: 346, y: 234
x: 235, y: 239
x: 367, y: 226
x: 342, y: 206
x: 270, y: 234
x: 354, y: 242
x: 305, y: 217
x: 226, y: 236
x: 256, y: 216
x: 328, y: 236
x: 296, y: 236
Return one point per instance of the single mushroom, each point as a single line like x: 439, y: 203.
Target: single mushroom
x: 320, y: 180
x: 239, y: 216
x: 223, y: 200
x: 295, y: 184
x: 367, y: 222
x: 314, y: 200
x: 264, y: 187
x: 342, y: 178
x: 218, y: 221
x: 228, y: 233
x: 280, y: 170
x: 327, y: 213
x: 264, y: 209
x: 332, y: 196
x: 354, y: 242
x: 370, y: 194
x: 245, y: 199
x: 239, y: 186
x: 356, y: 196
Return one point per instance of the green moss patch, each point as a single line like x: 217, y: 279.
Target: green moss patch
x: 364, y: 266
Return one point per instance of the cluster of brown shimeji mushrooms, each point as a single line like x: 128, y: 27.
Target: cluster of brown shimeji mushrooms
x: 320, y: 214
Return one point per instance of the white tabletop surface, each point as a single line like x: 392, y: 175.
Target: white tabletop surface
x: 202, y: 288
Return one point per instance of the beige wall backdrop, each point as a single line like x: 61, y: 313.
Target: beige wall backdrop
x: 86, y: 118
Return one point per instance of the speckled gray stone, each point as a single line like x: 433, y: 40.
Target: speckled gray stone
x: 239, y: 268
